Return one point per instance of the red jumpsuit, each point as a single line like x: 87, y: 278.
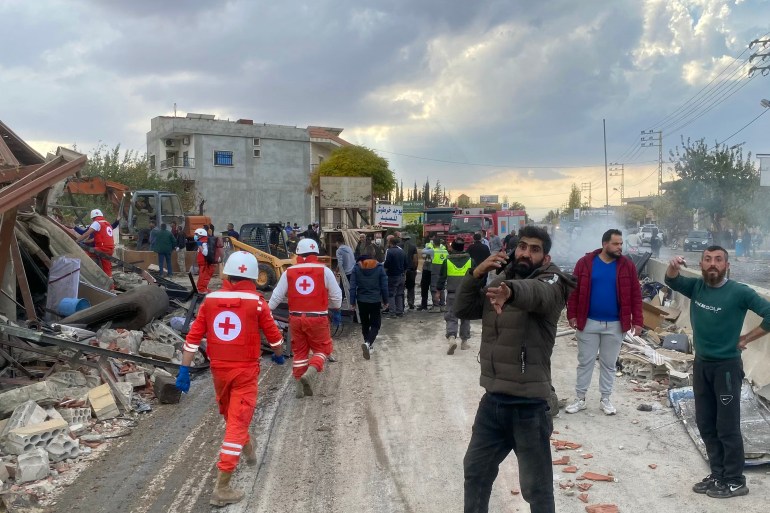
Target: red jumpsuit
x: 231, y: 319
x: 205, y: 269
x: 104, y: 242
x: 308, y: 298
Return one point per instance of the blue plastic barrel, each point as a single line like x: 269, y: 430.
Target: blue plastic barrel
x: 70, y: 305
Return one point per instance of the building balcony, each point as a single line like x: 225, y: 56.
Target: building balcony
x: 174, y: 162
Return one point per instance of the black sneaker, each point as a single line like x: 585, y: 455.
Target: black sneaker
x: 706, y: 484
x: 411, y: 307
x: 727, y: 490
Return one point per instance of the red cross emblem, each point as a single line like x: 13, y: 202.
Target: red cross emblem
x: 227, y: 326
x: 312, y: 246
x: 305, y: 285
x: 243, y: 268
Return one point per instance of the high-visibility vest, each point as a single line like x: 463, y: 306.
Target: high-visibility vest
x: 453, y: 270
x: 439, y: 254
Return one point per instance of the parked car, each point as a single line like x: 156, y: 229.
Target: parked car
x: 698, y: 240
x: 645, y: 235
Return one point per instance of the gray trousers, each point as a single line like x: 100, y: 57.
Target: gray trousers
x: 452, y: 321
x: 604, y: 339
x: 396, y: 294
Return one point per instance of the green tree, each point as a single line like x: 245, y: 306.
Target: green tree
x: 426, y: 194
x: 633, y: 215
x: 438, y: 196
x: 716, y: 181
x: 574, y: 198
x: 551, y: 217
x: 463, y: 201
x: 516, y: 205
x: 356, y: 161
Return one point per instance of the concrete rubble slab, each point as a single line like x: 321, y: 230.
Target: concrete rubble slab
x: 103, y: 403
x: 32, y: 466
x: 25, y: 414
x: 24, y: 439
x: 136, y: 379
x: 62, y: 447
x: 75, y: 415
x: 166, y: 390
x: 126, y: 391
x: 157, y: 350
x: 43, y: 393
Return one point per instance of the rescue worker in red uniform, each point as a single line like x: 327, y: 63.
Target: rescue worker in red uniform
x: 231, y: 320
x: 311, y: 289
x: 205, y: 269
x: 103, y: 241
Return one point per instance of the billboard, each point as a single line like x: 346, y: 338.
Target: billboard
x: 764, y: 169
x: 412, y: 217
x: 488, y: 198
x: 413, y: 206
x: 390, y: 216
x: 346, y: 192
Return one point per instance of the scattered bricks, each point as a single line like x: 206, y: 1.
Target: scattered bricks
x: 157, y: 350
x: 653, y: 466
x: 43, y: 393
x: 137, y: 379
x: 564, y: 460
x: 601, y: 508
x: 27, y: 438
x: 562, y: 445
x: 569, y: 470
x: 166, y: 390
x: 515, y: 492
x: 593, y: 476
x: 103, y: 403
x: 566, y: 485
x: 583, y: 497
x: 588, y: 456
x: 62, y: 447
x: 25, y: 414
x: 584, y: 487
x: 75, y: 415
x: 32, y: 465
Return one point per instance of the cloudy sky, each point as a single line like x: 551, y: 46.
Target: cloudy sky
x: 490, y: 97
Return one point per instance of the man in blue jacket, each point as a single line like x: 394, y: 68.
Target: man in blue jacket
x: 369, y: 287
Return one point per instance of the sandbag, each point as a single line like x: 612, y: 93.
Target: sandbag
x: 132, y: 310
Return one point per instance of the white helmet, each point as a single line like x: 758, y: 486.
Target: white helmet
x: 201, y: 232
x: 96, y: 213
x: 242, y: 265
x: 307, y: 245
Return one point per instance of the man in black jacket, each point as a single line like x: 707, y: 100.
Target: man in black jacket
x: 478, y: 251
x: 395, y: 267
x: 411, y: 269
x: 519, y: 311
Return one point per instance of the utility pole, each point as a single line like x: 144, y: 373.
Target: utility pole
x: 618, y: 170
x: 650, y: 140
x: 586, y: 186
x: 762, y: 55
x: 606, y: 172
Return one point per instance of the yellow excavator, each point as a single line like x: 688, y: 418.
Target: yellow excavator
x: 267, y: 242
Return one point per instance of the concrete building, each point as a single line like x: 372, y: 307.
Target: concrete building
x: 245, y: 172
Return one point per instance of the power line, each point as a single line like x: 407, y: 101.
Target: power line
x: 744, y: 126
x: 506, y: 166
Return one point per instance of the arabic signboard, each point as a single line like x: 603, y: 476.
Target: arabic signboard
x: 389, y: 215
x: 346, y: 192
x: 413, y: 206
x: 488, y: 198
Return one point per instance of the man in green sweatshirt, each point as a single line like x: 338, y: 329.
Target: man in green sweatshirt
x: 718, y: 308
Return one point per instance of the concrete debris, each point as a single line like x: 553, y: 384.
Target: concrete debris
x: 43, y: 393
x: 127, y: 341
x: 157, y: 350
x: 25, y: 414
x: 160, y: 332
x: 136, y: 379
x: 103, y: 403
x: 32, y: 466
x: 26, y: 438
x: 126, y: 391
x: 127, y: 281
x: 166, y: 390
x: 75, y: 415
x: 62, y: 447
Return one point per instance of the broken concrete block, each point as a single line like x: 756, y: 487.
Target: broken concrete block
x: 24, y: 439
x: 159, y: 372
x: 157, y: 350
x: 4, y: 475
x: 103, y: 403
x: 43, y: 393
x: 68, y: 379
x: 32, y: 465
x: 166, y: 390
x: 62, y: 447
x: 77, y: 429
x: 25, y: 414
x: 678, y: 379
x: 125, y: 390
x: 136, y: 379
x: 75, y: 415
x: 52, y: 414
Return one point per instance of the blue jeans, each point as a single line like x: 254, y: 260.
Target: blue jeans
x: 167, y: 258
x: 500, y: 428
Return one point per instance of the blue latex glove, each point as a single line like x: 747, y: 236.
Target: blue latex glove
x: 279, y: 360
x: 183, y: 379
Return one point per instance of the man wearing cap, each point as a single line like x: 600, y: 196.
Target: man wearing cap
x: 103, y: 241
x: 311, y: 289
x: 231, y: 319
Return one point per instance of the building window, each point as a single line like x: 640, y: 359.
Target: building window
x: 257, y: 153
x: 223, y: 158
x: 152, y: 162
x: 256, y: 141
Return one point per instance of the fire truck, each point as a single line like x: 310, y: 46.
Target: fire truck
x: 473, y: 220
x: 436, y: 221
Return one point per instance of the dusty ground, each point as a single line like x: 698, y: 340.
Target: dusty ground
x: 389, y: 435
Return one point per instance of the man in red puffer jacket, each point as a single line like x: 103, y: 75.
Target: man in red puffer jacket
x: 606, y: 303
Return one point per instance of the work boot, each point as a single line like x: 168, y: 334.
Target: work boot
x: 223, y: 494
x: 464, y: 344
x: 452, y: 345
x: 299, y: 389
x: 249, y: 454
x: 308, y: 379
